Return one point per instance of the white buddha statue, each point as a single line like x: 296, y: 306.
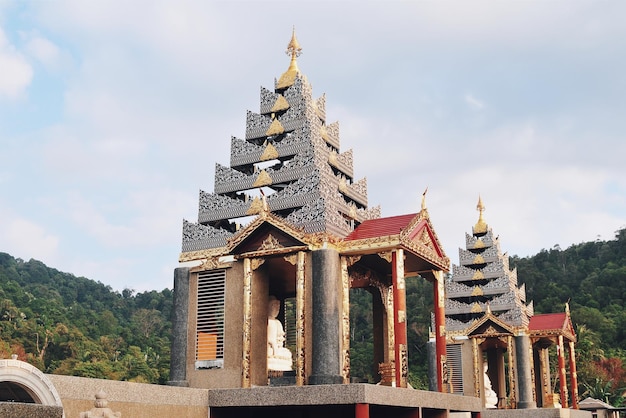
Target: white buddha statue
x: 278, y: 356
x: 491, y: 397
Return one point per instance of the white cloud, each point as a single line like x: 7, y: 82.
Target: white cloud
x: 27, y: 239
x: 43, y: 50
x: 473, y: 102
x: 16, y: 73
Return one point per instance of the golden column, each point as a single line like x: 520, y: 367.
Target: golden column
x: 562, y: 374
x: 440, y: 331
x: 345, y: 321
x: 300, y: 298
x: 573, y: 375
x: 247, y: 321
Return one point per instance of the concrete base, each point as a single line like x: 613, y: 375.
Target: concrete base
x: 336, y: 400
x: 29, y: 410
x: 536, y: 413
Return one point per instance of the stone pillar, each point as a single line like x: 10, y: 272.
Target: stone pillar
x: 326, y: 321
x: 440, y: 330
x: 524, y: 375
x: 399, y: 318
x: 433, y: 380
x: 562, y: 374
x: 180, y: 317
x: 573, y: 375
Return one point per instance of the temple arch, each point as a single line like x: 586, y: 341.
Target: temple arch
x: 22, y: 382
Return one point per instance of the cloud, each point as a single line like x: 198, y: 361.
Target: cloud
x: 17, y: 73
x: 27, y: 239
x: 473, y: 102
x: 42, y: 49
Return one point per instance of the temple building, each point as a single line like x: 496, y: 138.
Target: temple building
x: 262, y: 291
x: 492, y: 330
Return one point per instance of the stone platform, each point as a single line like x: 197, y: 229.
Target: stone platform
x: 536, y: 413
x: 329, y: 401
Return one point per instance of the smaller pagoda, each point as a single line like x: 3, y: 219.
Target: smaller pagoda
x: 483, y: 281
x: 497, y: 349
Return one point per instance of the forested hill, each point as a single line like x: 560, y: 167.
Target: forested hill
x: 65, y: 324
x: 72, y: 325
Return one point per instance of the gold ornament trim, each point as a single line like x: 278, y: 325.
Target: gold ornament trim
x: 263, y: 179
x: 387, y: 255
x: 256, y: 207
x: 478, y: 275
x: 289, y: 76
x: 247, y: 322
x: 270, y: 243
x: 477, y: 366
x: 345, y: 320
x: 269, y: 153
x: 255, y: 263
x: 352, y: 259
x: 280, y: 104
x: 300, y: 320
x: 276, y: 128
x: 477, y: 291
x: 481, y: 226
x: 478, y: 259
x: 324, y: 133
x: 332, y: 158
x: 291, y: 259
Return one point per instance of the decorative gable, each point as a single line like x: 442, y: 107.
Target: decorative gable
x: 489, y: 326
x: 266, y: 236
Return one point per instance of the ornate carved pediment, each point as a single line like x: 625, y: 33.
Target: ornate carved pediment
x: 267, y: 238
x: 489, y: 326
x: 421, y: 238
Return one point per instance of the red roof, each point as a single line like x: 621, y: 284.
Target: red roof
x: 381, y: 227
x: 547, y: 321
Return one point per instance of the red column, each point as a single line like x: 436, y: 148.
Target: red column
x: 399, y: 317
x: 573, y: 375
x: 562, y: 375
x: 362, y: 410
x: 440, y: 331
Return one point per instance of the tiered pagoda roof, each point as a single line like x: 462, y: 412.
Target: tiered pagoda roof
x: 290, y: 160
x: 483, y: 283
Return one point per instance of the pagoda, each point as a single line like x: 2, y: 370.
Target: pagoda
x: 290, y: 160
x: 497, y: 348
x: 262, y: 291
x: 482, y: 282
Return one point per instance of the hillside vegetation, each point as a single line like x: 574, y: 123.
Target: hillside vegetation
x: 72, y: 325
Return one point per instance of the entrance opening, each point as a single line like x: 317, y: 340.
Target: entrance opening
x: 13, y: 392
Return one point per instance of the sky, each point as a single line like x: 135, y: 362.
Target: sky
x: 113, y: 115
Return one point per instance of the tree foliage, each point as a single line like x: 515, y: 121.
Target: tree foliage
x: 71, y: 325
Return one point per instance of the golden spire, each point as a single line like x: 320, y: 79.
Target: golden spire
x: 294, y: 50
x: 424, y: 199
x: 481, y: 225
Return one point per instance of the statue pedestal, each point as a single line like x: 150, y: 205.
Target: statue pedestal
x: 279, y: 363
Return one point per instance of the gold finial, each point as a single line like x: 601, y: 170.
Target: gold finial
x: 567, y: 307
x: 481, y: 225
x: 424, y: 199
x: 294, y: 50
